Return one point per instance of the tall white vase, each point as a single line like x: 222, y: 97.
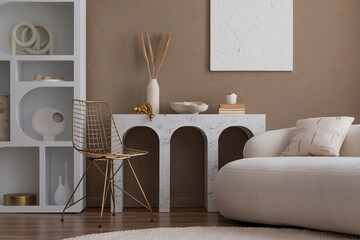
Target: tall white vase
x: 153, y: 95
x: 63, y: 192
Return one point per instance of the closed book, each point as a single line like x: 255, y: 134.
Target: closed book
x: 232, y: 106
x: 231, y: 109
x: 231, y: 112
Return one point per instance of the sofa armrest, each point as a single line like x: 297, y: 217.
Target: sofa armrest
x: 268, y: 144
x: 350, y: 147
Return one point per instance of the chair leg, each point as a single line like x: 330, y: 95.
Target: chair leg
x: 104, y: 192
x: 73, y: 193
x: 142, y: 191
x: 113, y: 187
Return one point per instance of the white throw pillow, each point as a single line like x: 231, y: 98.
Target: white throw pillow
x: 318, y: 136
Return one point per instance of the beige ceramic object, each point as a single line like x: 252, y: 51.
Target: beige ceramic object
x: 48, y: 122
x: 189, y: 107
x: 38, y: 77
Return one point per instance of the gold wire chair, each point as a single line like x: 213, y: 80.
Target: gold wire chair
x: 96, y: 136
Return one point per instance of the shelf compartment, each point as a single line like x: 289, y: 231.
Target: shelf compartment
x: 4, y: 77
x: 4, y: 101
x: 28, y: 69
x: 55, y: 167
x: 59, y: 16
x: 19, y: 171
x: 59, y: 98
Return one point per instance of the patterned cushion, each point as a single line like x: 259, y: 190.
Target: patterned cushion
x: 318, y: 136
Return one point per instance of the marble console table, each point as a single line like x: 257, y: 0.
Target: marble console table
x: 164, y: 125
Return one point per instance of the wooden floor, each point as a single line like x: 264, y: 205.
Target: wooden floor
x: 49, y: 226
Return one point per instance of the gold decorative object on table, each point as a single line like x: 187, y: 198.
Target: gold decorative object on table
x: 20, y: 199
x: 143, y: 109
x: 96, y: 136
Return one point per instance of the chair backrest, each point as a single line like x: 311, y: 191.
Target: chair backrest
x: 94, y: 129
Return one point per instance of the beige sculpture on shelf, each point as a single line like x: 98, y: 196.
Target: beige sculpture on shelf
x: 143, y: 109
x: 42, y: 77
x: 30, y: 39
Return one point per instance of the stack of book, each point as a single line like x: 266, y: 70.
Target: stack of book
x: 232, y: 109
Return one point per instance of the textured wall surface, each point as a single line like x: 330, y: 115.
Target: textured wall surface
x: 325, y: 80
x: 251, y: 35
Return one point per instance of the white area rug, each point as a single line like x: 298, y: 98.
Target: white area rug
x: 215, y: 233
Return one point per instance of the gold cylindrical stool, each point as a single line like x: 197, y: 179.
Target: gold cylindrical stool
x: 20, y: 199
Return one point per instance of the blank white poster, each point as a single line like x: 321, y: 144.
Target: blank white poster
x: 251, y: 35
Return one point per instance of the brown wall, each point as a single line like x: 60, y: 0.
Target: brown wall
x: 325, y: 80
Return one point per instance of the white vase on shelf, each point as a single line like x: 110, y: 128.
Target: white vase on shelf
x: 153, y: 95
x: 63, y: 192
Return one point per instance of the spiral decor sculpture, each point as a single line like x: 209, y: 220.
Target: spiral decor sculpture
x: 30, y: 39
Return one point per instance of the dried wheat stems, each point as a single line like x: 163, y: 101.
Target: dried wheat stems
x: 154, y: 58
x: 145, y: 54
x: 166, y: 46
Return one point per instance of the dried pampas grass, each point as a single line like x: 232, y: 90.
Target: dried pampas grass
x: 166, y: 46
x: 154, y: 58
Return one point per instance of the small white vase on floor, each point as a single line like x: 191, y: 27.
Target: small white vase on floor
x: 63, y: 192
x: 153, y: 95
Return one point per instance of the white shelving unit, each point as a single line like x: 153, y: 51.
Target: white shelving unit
x: 27, y: 163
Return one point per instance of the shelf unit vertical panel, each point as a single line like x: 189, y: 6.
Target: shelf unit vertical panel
x: 42, y: 171
x: 79, y: 85
x: 13, y: 101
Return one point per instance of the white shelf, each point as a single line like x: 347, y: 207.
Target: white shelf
x: 34, y: 143
x: 8, y: 57
x: 42, y: 57
x: 27, y: 86
x: 37, y: 209
x: 59, y: 17
x: 27, y: 163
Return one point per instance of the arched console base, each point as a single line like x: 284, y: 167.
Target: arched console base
x: 211, y: 125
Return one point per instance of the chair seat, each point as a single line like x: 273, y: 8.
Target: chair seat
x: 124, y: 154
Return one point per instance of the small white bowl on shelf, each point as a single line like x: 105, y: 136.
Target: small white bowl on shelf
x: 189, y: 107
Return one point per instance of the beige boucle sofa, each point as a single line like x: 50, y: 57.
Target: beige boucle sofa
x: 312, y: 192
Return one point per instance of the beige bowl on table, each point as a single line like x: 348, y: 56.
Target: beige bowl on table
x: 189, y: 107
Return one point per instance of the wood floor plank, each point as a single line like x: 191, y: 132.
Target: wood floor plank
x: 49, y: 226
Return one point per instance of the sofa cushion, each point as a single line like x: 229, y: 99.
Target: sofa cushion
x: 318, y: 136
x: 313, y: 192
